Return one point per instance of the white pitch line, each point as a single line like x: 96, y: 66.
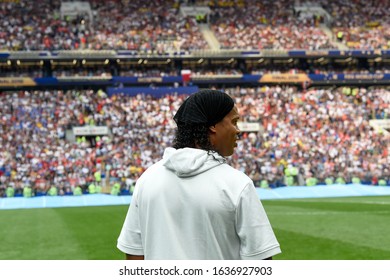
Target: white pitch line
x: 347, y: 201
x: 310, y: 213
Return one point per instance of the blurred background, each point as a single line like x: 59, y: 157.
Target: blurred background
x: 88, y: 90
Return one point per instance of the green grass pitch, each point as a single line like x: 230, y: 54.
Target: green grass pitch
x: 350, y: 228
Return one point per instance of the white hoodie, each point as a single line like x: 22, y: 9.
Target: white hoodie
x: 192, y: 205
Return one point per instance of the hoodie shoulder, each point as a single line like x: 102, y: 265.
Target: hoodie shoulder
x: 238, y: 175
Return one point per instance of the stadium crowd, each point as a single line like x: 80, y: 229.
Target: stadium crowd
x: 120, y: 25
x: 241, y: 24
x: 361, y: 24
x: 267, y: 25
x: 305, y: 137
x: 314, y: 136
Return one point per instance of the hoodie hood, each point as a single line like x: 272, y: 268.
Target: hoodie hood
x: 188, y: 162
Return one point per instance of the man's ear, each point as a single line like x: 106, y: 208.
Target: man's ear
x: 213, y: 129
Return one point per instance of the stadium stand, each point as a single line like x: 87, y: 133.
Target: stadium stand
x: 324, y: 133
x: 87, y: 99
x: 163, y: 27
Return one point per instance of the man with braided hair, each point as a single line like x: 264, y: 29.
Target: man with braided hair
x: 192, y: 204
